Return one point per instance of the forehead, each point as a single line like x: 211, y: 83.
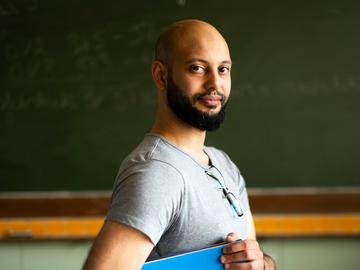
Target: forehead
x: 209, y: 46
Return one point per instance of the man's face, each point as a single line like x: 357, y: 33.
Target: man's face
x: 199, y: 82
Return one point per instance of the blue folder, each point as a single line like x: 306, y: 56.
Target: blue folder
x: 203, y: 259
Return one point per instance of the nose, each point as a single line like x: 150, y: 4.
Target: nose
x: 213, y: 82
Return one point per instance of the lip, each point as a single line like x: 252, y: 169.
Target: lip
x: 211, y: 100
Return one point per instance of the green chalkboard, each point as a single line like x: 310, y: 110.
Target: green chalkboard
x: 76, y: 94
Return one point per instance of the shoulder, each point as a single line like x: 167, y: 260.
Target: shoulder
x: 151, y: 175
x: 151, y: 163
x: 152, y: 152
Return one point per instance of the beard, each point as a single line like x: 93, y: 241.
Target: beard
x: 184, y: 108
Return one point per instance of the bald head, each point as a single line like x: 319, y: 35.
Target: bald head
x: 186, y: 36
x: 192, y: 72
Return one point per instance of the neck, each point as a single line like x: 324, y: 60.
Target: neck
x: 184, y: 136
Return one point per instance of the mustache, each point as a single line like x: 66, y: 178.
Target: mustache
x: 217, y: 93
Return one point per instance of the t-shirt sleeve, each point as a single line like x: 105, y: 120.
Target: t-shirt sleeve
x: 244, y: 200
x: 148, y: 198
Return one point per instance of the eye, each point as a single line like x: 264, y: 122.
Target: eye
x: 197, y: 69
x: 224, y: 69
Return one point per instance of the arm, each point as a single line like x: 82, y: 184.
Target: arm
x: 246, y: 254
x: 118, y: 246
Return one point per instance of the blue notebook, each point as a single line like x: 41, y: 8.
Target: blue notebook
x: 208, y: 258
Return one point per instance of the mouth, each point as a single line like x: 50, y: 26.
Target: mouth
x: 211, y: 100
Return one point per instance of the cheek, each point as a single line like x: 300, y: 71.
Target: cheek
x: 227, y: 87
x: 191, y: 86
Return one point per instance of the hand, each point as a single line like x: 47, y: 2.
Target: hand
x: 242, y: 254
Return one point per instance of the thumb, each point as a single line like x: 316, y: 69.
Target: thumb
x: 231, y: 237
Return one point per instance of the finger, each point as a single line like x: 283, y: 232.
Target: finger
x: 238, y: 266
x: 241, y: 246
x: 245, y: 266
x: 244, y: 256
x: 231, y: 237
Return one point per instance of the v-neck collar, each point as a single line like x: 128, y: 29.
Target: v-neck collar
x: 205, y: 149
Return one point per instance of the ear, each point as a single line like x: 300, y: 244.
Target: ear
x: 159, y: 74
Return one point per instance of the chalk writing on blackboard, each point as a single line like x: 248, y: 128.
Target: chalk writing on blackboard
x: 27, y: 59
x: 111, y: 97
x: 295, y: 89
x: 89, y: 53
x: 12, y: 8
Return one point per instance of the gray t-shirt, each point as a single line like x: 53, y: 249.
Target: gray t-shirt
x: 168, y: 195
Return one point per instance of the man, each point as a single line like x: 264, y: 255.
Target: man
x: 172, y: 193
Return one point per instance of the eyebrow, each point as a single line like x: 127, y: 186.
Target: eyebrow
x: 204, y: 61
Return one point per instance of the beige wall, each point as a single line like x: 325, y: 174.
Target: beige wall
x: 291, y: 254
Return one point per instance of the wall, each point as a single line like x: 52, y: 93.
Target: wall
x: 290, y: 254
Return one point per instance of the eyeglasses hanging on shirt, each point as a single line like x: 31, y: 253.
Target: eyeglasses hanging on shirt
x: 233, y: 202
